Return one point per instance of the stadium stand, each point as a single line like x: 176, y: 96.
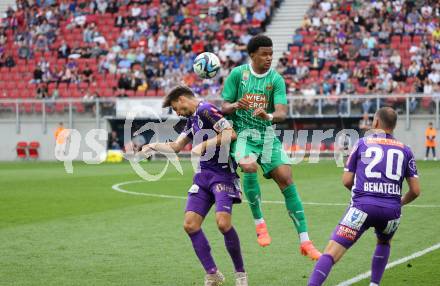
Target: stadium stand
x: 106, y: 48
x: 366, y: 47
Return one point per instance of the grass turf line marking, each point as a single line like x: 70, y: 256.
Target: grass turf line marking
x: 117, y: 187
x: 390, y: 265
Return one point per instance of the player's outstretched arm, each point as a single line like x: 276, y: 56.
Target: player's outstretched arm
x: 414, y: 190
x: 226, y: 136
x: 348, y: 180
x: 169, y: 147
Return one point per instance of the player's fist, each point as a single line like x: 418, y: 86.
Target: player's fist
x: 242, y: 104
x: 148, y: 149
x: 261, y: 113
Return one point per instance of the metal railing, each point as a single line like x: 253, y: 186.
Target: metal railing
x: 70, y: 110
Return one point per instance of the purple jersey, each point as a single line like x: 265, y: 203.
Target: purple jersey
x: 204, y: 124
x: 380, y: 163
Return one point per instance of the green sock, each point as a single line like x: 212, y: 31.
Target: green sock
x: 251, y: 189
x: 295, y: 208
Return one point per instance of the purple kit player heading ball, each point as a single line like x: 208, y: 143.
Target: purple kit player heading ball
x: 374, y: 173
x: 216, y: 181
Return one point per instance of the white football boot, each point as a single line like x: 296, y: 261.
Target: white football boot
x: 215, y: 279
x: 241, y: 279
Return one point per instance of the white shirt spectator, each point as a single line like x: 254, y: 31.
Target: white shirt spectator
x: 316, y: 21
x: 236, y: 56
x: 434, y: 76
x: 238, y: 17
x: 377, y: 4
x: 326, y: 6
x: 436, y: 65
x: 428, y: 88
x: 413, y: 69
x: 136, y: 11
x: 102, y: 5
x: 142, y: 25
x: 395, y: 59
x: 426, y: 11
x: 80, y: 20
x: 245, y: 38
x: 129, y: 33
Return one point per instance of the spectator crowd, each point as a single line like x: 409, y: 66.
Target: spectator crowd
x: 122, y: 47
x: 366, y: 47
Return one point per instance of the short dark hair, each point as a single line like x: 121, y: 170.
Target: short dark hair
x: 175, y: 93
x: 258, y: 41
x: 387, y: 117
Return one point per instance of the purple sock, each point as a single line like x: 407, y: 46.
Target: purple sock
x: 321, y: 270
x: 379, y: 261
x: 232, y: 243
x: 203, y: 251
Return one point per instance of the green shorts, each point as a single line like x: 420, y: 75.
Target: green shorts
x: 268, y: 152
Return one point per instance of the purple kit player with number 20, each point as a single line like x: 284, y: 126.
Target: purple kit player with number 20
x: 374, y: 173
x: 216, y: 181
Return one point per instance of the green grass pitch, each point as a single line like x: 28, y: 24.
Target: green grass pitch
x: 74, y: 229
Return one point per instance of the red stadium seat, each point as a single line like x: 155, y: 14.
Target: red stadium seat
x: 60, y: 106
x: 21, y: 150
x: 426, y: 102
x: 33, y: 149
x: 331, y: 147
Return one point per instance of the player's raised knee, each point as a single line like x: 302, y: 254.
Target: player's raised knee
x: 249, y: 167
x: 191, y: 226
x: 284, y: 182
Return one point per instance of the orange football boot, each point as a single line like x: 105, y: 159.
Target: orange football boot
x: 263, y: 236
x: 308, y: 249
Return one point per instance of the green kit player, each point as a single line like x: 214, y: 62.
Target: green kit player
x: 254, y: 98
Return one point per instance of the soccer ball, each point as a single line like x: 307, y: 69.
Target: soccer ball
x: 206, y: 65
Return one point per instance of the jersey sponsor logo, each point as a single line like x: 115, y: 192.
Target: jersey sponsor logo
x: 354, y: 218
x: 382, y: 188
x: 224, y: 188
x: 221, y: 125
x: 346, y: 232
x: 246, y: 75
x: 384, y: 141
x: 392, y: 226
x: 256, y: 100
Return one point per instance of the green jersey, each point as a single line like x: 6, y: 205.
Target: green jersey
x: 261, y: 90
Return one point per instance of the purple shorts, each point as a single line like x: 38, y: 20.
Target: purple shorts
x: 360, y: 217
x: 211, y: 188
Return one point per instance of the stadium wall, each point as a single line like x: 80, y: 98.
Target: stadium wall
x: 415, y: 135
x: 32, y: 130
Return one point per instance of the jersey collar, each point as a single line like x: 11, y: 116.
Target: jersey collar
x: 257, y: 74
x: 197, y: 108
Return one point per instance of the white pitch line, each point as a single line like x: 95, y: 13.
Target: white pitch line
x: 390, y: 265
x: 117, y: 187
